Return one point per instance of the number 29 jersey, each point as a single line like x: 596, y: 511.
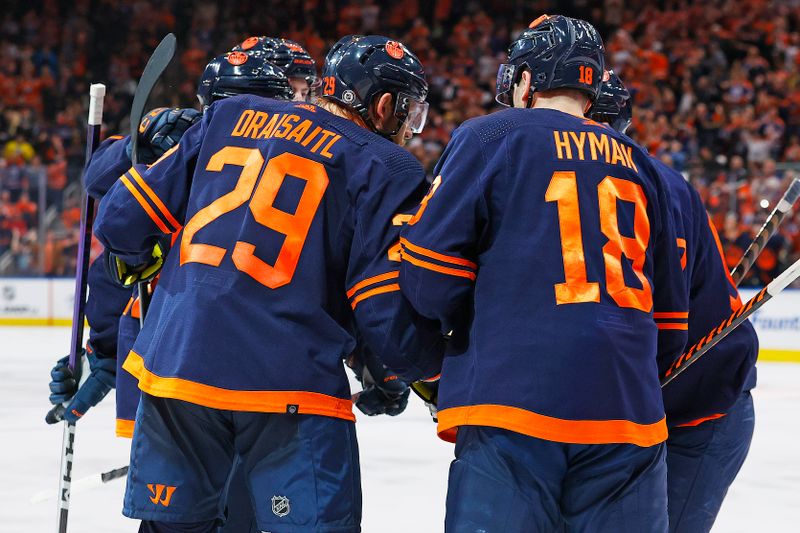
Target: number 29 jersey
x: 545, y: 244
x: 287, y: 220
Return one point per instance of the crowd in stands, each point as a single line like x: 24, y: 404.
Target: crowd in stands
x: 716, y: 86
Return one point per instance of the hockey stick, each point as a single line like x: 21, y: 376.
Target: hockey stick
x: 153, y: 70
x: 96, y: 94
x: 739, y: 316
x: 83, y: 484
x: 766, y: 232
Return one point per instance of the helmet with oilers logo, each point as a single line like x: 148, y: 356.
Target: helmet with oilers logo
x: 358, y: 68
x: 289, y: 55
x: 560, y: 52
x: 239, y: 73
x: 613, y: 106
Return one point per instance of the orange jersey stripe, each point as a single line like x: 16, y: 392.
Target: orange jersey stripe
x: 147, y: 209
x: 699, y: 421
x: 115, y: 137
x: 124, y: 428
x: 671, y: 325
x: 436, y: 255
x: 437, y: 268
x: 156, y: 200
x: 551, y: 428
x: 371, y: 281
x: 308, y: 403
x: 671, y: 315
x: 374, y: 292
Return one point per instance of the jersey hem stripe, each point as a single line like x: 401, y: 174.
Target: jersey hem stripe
x: 551, y: 428
x: 124, y: 428
x: 260, y: 401
x: 699, y: 421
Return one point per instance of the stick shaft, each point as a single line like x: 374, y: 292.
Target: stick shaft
x: 739, y: 316
x: 96, y: 95
x: 766, y: 232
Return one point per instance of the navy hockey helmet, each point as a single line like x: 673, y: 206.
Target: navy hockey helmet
x: 360, y: 67
x: 289, y: 55
x: 560, y: 52
x: 239, y: 73
x: 613, y: 106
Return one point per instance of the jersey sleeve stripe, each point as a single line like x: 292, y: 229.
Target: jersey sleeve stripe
x: 261, y: 401
x: 146, y: 206
x: 374, y: 292
x: 436, y: 255
x: 114, y: 137
x: 155, y: 199
x: 372, y: 281
x: 672, y: 325
x: 436, y: 268
x: 552, y: 428
x: 658, y: 315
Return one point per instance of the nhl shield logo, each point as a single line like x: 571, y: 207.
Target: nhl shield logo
x: 280, y: 506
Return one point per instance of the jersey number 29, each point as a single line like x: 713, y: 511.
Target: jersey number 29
x: 294, y: 226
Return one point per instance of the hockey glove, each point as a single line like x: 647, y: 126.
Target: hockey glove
x: 128, y: 276
x: 384, y: 393
x: 162, y: 129
x: 64, y: 385
x: 429, y: 392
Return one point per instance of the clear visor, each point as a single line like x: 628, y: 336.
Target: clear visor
x: 414, y: 110
x: 505, y: 84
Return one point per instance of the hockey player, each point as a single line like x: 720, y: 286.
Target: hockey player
x: 285, y: 213
x: 545, y: 243
x: 290, y: 56
x: 709, y: 408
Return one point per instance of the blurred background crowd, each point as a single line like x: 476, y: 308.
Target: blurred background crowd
x: 715, y: 84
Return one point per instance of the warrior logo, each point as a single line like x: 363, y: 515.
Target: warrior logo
x: 280, y: 506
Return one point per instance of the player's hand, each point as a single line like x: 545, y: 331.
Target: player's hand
x: 129, y: 275
x: 64, y: 386
x: 428, y: 390
x: 374, y: 400
x: 160, y: 130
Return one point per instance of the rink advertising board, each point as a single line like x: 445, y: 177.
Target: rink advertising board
x: 48, y: 302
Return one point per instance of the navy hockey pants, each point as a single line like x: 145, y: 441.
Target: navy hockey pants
x: 302, y: 470
x: 506, y: 482
x: 702, y: 462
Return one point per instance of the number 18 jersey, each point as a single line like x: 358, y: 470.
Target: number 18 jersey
x: 545, y: 243
x: 287, y: 220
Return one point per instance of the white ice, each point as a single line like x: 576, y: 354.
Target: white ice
x: 404, y: 466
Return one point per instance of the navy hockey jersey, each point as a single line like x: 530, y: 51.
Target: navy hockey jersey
x: 288, y: 220
x: 708, y: 388
x: 110, y: 310
x: 546, y: 243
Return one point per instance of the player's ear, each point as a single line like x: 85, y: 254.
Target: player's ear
x: 522, y: 89
x: 383, y: 109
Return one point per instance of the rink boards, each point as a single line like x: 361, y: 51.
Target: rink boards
x: 48, y: 302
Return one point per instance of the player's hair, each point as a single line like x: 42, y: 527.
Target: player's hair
x: 340, y: 110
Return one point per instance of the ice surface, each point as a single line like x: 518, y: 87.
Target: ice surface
x: 404, y: 466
